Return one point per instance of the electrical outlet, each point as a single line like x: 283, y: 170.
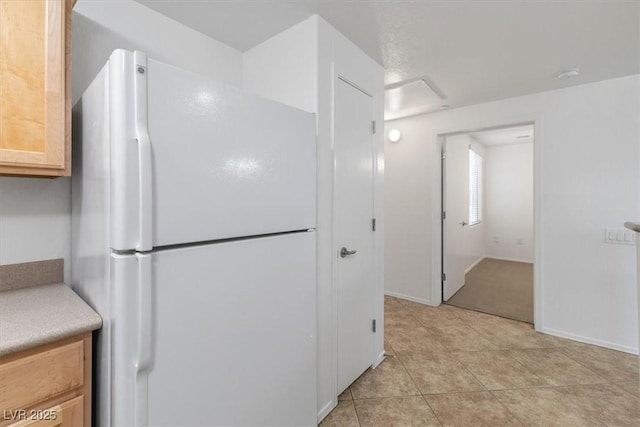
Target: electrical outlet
x: 619, y: 236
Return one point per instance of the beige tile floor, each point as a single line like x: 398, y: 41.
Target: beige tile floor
x: 454, y: 367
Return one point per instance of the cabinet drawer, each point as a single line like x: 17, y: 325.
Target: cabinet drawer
x: 67, y: 414
x: 41, y: 376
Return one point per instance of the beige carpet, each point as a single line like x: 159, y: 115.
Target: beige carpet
x: 503, y: 288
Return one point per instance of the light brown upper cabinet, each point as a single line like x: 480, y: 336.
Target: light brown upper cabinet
x: 35, y: 87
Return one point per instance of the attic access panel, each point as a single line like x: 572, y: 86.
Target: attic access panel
x: 411, y: 98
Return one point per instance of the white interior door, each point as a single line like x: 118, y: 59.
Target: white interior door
x: 353, y: 207
x: 455, y: 226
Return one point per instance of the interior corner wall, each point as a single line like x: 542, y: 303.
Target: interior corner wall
x: 284, y: 68
x: 297, y: 67
x: 587, y: 161
x: 508, y: 207
x: 35, y: 213
x: 100, y: 27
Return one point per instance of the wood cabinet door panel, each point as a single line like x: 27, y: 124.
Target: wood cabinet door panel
x: 32, y: 84
x: 41, y: 376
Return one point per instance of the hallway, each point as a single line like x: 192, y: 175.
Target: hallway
x: 451, y: 366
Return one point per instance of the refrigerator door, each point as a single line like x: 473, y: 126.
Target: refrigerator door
x: 212, y: 162
x: 218, y: 334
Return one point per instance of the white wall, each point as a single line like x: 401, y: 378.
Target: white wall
x: 100, y: 27
x: 35, y: 212
x: 298, y: 67
x: 587, y: 162
x: 508, y: 201
x: 284, y: 68
x: 35, y: 220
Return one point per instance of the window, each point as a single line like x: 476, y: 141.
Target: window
x: 475, y: 187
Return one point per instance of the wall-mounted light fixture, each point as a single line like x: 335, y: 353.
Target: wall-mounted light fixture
x: 394, y: 135
x: 569, y: 73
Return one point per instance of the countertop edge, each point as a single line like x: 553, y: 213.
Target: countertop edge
x: 47, y: 338
x: 35, y: 316
x: 635, y: 226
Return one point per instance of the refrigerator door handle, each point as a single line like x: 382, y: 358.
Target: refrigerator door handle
x: 145, y: 223
x: 143, y: 361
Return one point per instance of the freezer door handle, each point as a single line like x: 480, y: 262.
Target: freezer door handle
x: 143, y: 361
x: 144, y: 153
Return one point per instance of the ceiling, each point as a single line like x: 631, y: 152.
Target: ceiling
x: 472, y: 51
x: 504, y: 136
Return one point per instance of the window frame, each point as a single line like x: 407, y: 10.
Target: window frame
x: 476, y: 161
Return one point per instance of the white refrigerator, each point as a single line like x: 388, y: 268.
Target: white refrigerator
x: 193, y: 235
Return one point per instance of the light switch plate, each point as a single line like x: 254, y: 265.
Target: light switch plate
x: 619, y: 236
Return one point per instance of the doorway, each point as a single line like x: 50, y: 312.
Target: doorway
x: 353, y: 213
x: 488, y: 221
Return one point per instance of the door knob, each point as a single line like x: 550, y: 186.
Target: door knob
x: 463, y: 223
x: 344, y: 252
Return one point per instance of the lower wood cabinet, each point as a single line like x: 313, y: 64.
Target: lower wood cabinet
x: 48, y: 385
x: 69, y: 413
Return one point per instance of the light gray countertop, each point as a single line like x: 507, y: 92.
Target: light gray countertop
x: 635, y: 226
x: 38, y: 315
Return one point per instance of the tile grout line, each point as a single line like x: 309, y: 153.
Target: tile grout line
x: 432, y: 410
x: 509, y: 350
x: 452, y: 356
x: 597, y: 419
x: 355, y: 409
x: 409, y: 374
x: 416, y: 384
x: 506, y: 408
x: 472, y: 374
x: 509, y: 355
x: 617, y: 384
x: 608, y: 381
x: 414, y: 381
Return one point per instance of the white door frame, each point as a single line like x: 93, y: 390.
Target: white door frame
x: 373, y: 83
x: 438, y: 138
x: 377, y: 151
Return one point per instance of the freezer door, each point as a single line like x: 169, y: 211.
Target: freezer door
x: 221, y: 334
x: 224, y: 163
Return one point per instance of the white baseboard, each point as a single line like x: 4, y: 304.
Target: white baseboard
x: 474, y: 264
x: 587, y: 340
x: 331, y: 405
x: 526, y: 261
x: 326, y: 409
x: 410, y: 298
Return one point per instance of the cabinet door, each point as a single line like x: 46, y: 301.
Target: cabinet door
x: 33, y: 89
x: 67, y: 414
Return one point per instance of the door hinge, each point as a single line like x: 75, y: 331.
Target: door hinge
x: 373, y: 325
x: 373, y: 224
x: 373, y: 127
x: 444, y: 277
x: 444, y: 215
x: 443, y: 155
